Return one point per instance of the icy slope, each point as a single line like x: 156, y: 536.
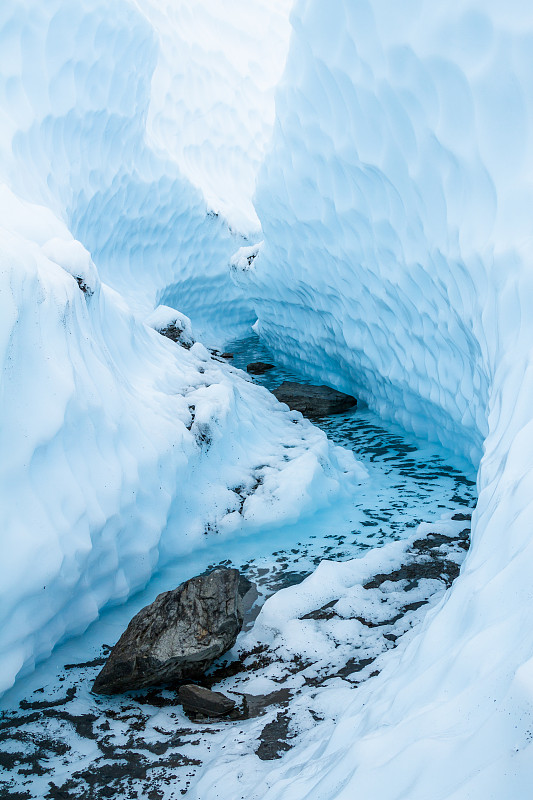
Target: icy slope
x: 118, y: 448
x: 396, y: 210
x: 97, y: 119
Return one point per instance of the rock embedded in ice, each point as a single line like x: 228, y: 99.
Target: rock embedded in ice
x: 203, y: 701
x: 259, y: 367
x: 314, y: 401
x: 172, y: 324
x: 179, y: 635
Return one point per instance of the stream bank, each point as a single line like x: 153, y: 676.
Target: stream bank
x: 357, y: 579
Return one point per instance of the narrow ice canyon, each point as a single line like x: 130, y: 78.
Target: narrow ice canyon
x: 344, y: 190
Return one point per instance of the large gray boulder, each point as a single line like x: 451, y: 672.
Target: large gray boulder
x: 313, y: 401
x: 179, y: 635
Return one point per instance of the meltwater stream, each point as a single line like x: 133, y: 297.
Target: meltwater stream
x: 59, y: 741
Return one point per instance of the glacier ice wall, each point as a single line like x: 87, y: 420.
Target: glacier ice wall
x: 396, y: 193
x: 88, y: 93
x: 396, y: 208
x: 212, y: 95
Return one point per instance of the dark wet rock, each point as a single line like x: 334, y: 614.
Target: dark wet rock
x: 462, y: 517
x: 245, y: 586
x: 178, y: 636
x: 314, y: 401
x: 353, y: 666
x: 259, y: 367
x: 273, y: 738
x: 324, y: 612
x: 85, y: 288
x: 428, y: 559
x: 178, y: 332
x: 226, y: 355
x: 254, y: 705
x: 198, y: 700
x: 27, y: 705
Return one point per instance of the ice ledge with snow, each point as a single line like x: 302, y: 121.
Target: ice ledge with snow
x: 120, y: 449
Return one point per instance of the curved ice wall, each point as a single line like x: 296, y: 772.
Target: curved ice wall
x: 397, y: 208
x: 98, y: 104
x: 119, y: 449
x: 395, y: 197
x: 212, y: 95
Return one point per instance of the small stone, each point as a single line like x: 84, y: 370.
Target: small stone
x: 259, y: 367
x: 226, y: 355
x: 203, y: 701
x: 314, y: 401
x: 176, y: 333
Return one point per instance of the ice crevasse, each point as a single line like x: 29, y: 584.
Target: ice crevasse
x: 119, y: 449
x: 396, y: 204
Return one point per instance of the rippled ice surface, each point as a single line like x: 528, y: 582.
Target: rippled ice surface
x: 58, y: 741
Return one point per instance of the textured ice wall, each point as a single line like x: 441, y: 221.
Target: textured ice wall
x: 118, y: 448
x: 88, y: 93
x: 212, y: 98
x: 395, y: 190
x: 396, y: 207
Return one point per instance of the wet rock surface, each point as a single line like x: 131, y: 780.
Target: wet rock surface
x: 259, y: 367
x: 273, y: 738
x: 179, y: 635
x: 198, y: 700
x: 313, y: 401
x: 177, y: 334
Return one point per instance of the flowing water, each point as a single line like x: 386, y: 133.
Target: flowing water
x: 59, y: 741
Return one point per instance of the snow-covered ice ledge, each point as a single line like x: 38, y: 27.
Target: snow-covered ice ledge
x: 120, y: 449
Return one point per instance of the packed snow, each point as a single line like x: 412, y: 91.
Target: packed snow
x: 212, y: 96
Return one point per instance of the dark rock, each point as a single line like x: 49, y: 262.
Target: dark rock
x: 179, y: 635
x: 462, y: 517
x: 313, y: 401
x: 273, y: 738
x: 204, y: 701
x: 244, y: 586
x: 226, y: 355
x: 259, y: 367
x: 85, y: 288
x: 177, y: 333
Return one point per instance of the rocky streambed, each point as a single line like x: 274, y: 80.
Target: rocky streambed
x: 332, y: 597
